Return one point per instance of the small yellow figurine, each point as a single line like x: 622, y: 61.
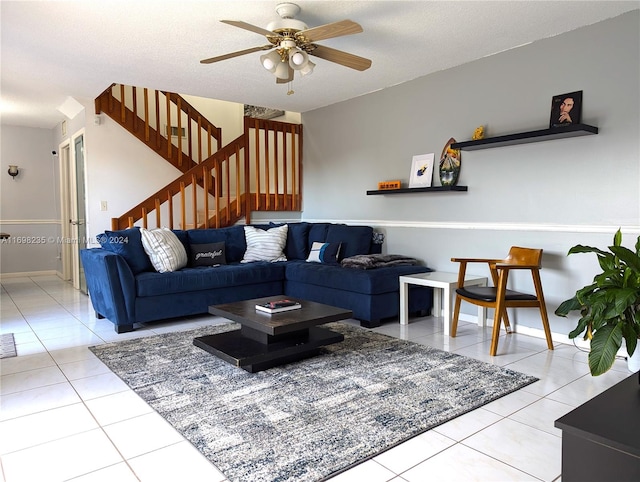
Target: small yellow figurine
x: 478, y: 133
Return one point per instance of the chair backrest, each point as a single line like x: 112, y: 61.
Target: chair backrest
x: 526, y: 256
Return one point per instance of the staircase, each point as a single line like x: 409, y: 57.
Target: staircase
x: 258, y: 171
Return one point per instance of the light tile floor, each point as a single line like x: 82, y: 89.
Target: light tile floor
x: 65, y: 416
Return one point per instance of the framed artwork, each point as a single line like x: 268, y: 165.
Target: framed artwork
x: 566, y: 109
x: 261, y: 112
x: 421, y: 170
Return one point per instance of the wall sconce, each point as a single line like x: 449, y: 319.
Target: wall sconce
x: 13, y: 171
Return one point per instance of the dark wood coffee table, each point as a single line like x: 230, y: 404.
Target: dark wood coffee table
x: 266, y: 340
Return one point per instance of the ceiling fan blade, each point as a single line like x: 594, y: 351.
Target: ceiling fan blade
x: 251, y: 28
x: 330, y: 30
x: 289, y: 79
x: 340, y: 57
x: 236, y: 54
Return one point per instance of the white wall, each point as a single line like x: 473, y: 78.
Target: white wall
x: 551, y: 195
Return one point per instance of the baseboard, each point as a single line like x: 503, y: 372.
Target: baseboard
x: 28, y: 274
x: 534, y: 332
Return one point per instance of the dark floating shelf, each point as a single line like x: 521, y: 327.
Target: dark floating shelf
x: 573, y: 130
x: 417, y: 189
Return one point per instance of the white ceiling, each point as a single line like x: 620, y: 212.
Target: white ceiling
x: 55, y: 49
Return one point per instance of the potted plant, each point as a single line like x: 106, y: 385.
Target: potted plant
x: 610, y: 306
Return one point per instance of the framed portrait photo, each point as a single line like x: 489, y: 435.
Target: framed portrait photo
x: 566, y: 109
x: 421, y: 170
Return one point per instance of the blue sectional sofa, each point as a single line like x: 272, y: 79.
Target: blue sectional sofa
x: 126, y: 289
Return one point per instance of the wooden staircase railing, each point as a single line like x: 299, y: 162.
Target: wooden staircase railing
x: 154, y: 116
x: 261, y: 170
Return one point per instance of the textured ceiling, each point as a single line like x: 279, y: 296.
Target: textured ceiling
x: 55, y: 49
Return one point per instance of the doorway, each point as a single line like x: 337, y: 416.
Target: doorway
x: 74, y: 226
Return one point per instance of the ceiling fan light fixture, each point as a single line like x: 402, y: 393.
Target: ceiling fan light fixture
x: 271, y: 61
x: 298, y: 59
x: 308, y: 68
x: 282, y: 71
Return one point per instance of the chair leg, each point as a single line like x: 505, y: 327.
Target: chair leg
x: 497, y: 318
x: 545, y: 325
x: 505, y: 319
x: 543, y: 309
x: 456, y: 313
x: 500, y: 311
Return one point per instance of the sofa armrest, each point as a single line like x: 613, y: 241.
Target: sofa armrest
x: 111, y: 285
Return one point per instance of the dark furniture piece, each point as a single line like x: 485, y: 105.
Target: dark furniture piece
x: 408, y: 190
x: 573, y: 130
x: 266, y: 340
x: 601, y: 438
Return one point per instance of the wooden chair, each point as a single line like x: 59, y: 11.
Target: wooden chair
x: 498, y: 296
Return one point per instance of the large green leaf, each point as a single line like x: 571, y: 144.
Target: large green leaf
x: 604, y: 345
x: 630, y: 338
x: 582, y: 326
x: 568, y: 306
x: 629, y: 257
x: 607, y: 262
x: 617, y: 238
x: 579, y: 248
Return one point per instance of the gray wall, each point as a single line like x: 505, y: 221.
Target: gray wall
x: 30, y: 203
x: 551, y: 195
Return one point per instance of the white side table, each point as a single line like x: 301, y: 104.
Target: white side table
x: 444, y: 285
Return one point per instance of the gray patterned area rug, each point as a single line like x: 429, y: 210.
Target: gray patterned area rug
x: 7, y: 346
x: 308, y: 420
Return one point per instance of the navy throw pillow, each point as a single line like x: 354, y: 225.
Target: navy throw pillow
x: 128, y: 244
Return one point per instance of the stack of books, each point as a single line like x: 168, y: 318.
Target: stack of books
x: 278, y: 306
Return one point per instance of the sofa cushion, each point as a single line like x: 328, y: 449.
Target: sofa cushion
x: 233, y: 237
x: 317, y: 234
x: 265, y: 245
x: 183, y: 237
x: 128, y: 244
x: 374, y: 281
x: 209, y: 254
x: 324, y: 253
x: 207, y: 278
x: 354, y: 239
x: 297, y: 246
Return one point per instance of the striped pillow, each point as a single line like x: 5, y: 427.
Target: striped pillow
x: 265, y: 245
x: 164, y: 249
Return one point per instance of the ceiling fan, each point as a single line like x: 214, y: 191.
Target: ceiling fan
x: 294, y: 42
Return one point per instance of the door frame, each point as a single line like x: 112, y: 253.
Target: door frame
x: 66, y: 250
x: 69, y: 200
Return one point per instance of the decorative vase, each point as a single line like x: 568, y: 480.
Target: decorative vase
x: 633, y: 362
x: 449, y: 165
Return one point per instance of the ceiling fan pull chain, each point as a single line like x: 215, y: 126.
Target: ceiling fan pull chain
x: 290, y: 90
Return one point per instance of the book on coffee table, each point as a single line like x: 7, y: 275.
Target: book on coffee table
x: 278, y: 306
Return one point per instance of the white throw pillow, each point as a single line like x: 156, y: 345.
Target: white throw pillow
x: 265, y: 245
x: 164, y: 249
